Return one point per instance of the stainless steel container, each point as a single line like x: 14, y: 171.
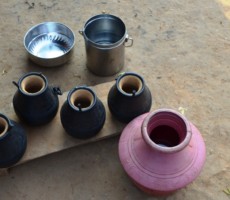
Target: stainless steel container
x: 105, y: 41
x: 49, y: 44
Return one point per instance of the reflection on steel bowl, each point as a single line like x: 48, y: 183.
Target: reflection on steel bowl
x: 49, y: 44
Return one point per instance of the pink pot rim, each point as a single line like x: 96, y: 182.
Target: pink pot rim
x: 153, y: 145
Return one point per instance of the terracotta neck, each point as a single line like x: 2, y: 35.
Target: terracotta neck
x: 32, y: 84
x: 166, y: 131
x: 82, y: 99
x: 130, y: 85
x: 3, y: 126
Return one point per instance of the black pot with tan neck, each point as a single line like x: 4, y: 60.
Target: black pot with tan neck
x: 129, y: 97
x: 82, y: 114
x: 35, y: 102
x: 12, y: 142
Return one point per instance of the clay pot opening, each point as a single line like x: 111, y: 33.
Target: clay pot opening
x: 166, y: 131
x: 165, y: 136
x: 130, y: 84
x: 33, y: 84
x: 82, y: 99
x: 3, y: 126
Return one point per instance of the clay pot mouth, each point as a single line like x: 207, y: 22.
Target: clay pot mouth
x: 33, y: 84
x: 3, y: 126
x: 82, y: 99
x: 166, y: 130
x: 130, y: 84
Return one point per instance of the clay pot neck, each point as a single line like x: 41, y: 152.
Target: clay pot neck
x: 3, y: 126
x: 33, y: 84
x: 166, y: 131
x: 130, y: 85
x: 82, y: 99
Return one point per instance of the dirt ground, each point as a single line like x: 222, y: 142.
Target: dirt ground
x: 181, y: 48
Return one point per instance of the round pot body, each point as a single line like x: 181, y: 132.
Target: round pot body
x: 35, y: 102
x: 161, y: 151
x: 105, y: 37
x: 12, y: 142
x: 129, y: 97
x: 83, y: 114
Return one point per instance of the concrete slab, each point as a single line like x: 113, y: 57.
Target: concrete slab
x: 182, y: 51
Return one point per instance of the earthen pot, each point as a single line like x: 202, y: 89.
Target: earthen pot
x: 129, y: 97
x: 35, y: 102
x: 12, y: 142
x: 161, y: 151
x: 83, y: 114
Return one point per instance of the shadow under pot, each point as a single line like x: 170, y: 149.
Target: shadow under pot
x: 13, y: 142
x: 129, y: 97
x: 161, y: 151
x: 35, y: 102
x: 83, y: 114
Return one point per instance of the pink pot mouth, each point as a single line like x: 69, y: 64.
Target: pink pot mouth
x: 166, y: 130
x: 3, y: 126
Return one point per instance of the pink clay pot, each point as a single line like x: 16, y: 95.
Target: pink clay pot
x: 161, y: 151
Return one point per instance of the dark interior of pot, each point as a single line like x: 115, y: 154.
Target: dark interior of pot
x: 167, y: 129
x: 165, y: 136
x: 82, y: 99
x: 105, y: 30
x: 33, y: 84
x: 130, y: 84
x: 3, y: 126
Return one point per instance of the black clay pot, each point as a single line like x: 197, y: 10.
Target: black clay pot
x: 12, y: 142
x: 82, y: 114
x: 129, y: 97
x: 35, y: 102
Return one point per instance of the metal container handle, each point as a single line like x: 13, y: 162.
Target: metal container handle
x: 127, y: 39
x: 81, y: 32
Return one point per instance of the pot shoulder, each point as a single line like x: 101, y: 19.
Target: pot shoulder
x: 125, y: 108
x: 12, y: 146
x: 36, y: 110
x: 83, y: 124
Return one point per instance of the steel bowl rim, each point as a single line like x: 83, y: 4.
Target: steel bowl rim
x: 48, y: 22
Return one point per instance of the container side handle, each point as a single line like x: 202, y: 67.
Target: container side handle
x: 128, y: 39
x: 16, y: 84
x: 81, y: 32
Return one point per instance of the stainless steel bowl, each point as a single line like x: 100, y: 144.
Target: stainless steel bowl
x: 49, y: 44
